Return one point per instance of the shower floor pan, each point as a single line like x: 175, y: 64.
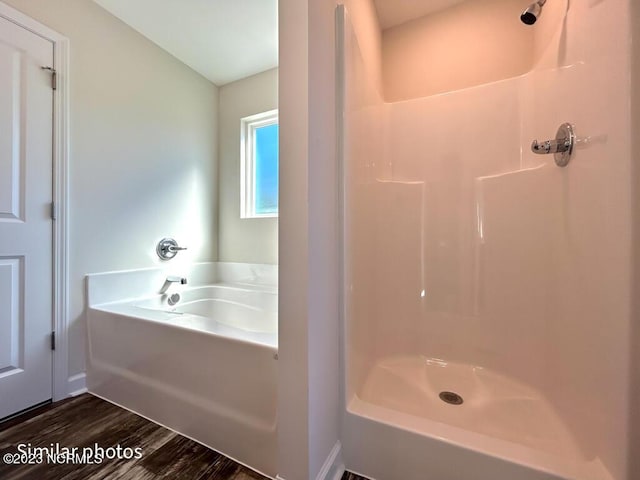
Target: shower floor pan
x: 475, y: 408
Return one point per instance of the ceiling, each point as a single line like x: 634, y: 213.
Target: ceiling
x: 395, y: 12
x: 223, y: 40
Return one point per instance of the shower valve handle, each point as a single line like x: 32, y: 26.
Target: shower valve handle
x: 562, y: 147
x: 168, y: 248
x: 549, y: 146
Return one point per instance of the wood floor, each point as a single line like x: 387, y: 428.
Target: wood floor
x: 86, y: 420
x: 352, y: 476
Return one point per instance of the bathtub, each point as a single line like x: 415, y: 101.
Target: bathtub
x: 233, y: 311
x: 205, y: 367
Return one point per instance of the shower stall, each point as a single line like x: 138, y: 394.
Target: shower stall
x: 486, y: 280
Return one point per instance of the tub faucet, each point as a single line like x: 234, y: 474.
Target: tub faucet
x: 172, y: 279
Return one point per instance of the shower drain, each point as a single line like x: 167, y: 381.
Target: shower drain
x: 451, y: 398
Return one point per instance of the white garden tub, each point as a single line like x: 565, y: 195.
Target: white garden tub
x: 205, y: 367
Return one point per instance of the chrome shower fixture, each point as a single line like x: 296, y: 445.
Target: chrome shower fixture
x: 532, y: 13
x: 562, y: 147
x: 168, y: 248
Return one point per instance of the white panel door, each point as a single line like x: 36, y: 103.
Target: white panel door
x: 26, y: 288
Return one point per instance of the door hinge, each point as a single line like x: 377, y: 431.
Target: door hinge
x: 54, y: 77
x: 53, y: 340
x: 54, y: 213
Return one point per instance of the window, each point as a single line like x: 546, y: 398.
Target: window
x: 259, y: 166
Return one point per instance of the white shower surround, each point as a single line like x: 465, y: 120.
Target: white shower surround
x: 206, y: 367
x: 462, y: 247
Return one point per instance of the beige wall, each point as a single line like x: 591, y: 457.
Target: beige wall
x: 472, y: 43
x: 293, y: 325
x: 634, y: 343
x: 143, y: 150
x: 252, y: 240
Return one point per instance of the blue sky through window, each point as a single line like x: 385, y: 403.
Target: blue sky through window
x: 266, y: 170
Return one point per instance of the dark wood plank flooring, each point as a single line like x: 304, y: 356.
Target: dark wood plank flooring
x: 87, y: 420
x: 352, y: 476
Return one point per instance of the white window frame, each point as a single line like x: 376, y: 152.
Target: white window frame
x: 247, y: 162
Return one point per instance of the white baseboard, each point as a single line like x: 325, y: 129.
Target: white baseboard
x: 77, y: 384
x: 333, y: 467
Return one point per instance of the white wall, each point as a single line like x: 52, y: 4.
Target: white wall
x: 249, y: 240
x: 363, y: 163
x: 308, y: 341
x: 586, y: 68
x: 324, y: 365
x: 143, y: 150
x: 364, y: 17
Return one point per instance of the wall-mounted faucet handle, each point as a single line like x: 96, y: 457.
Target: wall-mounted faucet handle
x: 561, y: 147
x: 549, y: 146
x: 168, y: 248
x: 540, y: 147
